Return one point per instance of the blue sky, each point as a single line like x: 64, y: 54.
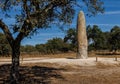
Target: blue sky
x: 105, y: 21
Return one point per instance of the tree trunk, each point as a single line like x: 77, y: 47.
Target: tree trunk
x: 14, y: 74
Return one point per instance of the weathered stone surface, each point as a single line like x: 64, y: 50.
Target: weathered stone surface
x: 81, y: 37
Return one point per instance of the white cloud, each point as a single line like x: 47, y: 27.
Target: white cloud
x: 105, y: 27
x: 112, y: 12
x: 104, y: 24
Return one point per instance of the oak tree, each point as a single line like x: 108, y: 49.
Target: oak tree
x: 114, y: 39
x: 96, y: 37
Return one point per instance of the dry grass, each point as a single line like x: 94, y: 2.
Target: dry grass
x: 51, y: 73
x: 105, y: 66
x: 100, y: 74
x: 61, y: 55
x: 69, y: 55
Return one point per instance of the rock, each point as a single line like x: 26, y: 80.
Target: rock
x: 81, y: 37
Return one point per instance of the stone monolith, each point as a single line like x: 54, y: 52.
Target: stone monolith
x: 82, y: 43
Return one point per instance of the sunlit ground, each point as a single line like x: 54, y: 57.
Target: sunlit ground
x: 54, y: 73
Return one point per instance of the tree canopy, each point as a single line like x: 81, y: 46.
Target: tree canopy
x: 114, y: 38
x: 96, y: 36
x: 30, y: 15
x: 97, y: 39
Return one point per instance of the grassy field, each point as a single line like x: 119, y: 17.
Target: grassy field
x: 51, y: 73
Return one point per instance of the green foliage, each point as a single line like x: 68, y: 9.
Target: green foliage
x: 41, y: 48
x: 4, y: 46
x: 114, y: 38
x: 97, y: 39
x: 103, y: 40
x: 94, y: 6
x: 33, y: 14
x: 71, y: 38
x: 96, y: 36
x: 29, y: 48
x: 55, y: 45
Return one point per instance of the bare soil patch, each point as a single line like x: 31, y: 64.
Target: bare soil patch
x: 65, y: 70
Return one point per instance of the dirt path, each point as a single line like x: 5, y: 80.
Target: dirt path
x: 65, y: 61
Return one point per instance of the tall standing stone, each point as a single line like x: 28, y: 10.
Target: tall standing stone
x: 81, y: 36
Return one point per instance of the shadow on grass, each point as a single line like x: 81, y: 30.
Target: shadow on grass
x: 71, y: 58
x: 31, y: 75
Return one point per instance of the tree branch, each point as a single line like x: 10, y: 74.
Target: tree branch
x: 27, y: 25
x: 25, y: 30
x: 7, y: 33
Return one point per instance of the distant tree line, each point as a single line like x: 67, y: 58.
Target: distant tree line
x: 101, y: 40
x: 55, y: 45
x: 97, y: 40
